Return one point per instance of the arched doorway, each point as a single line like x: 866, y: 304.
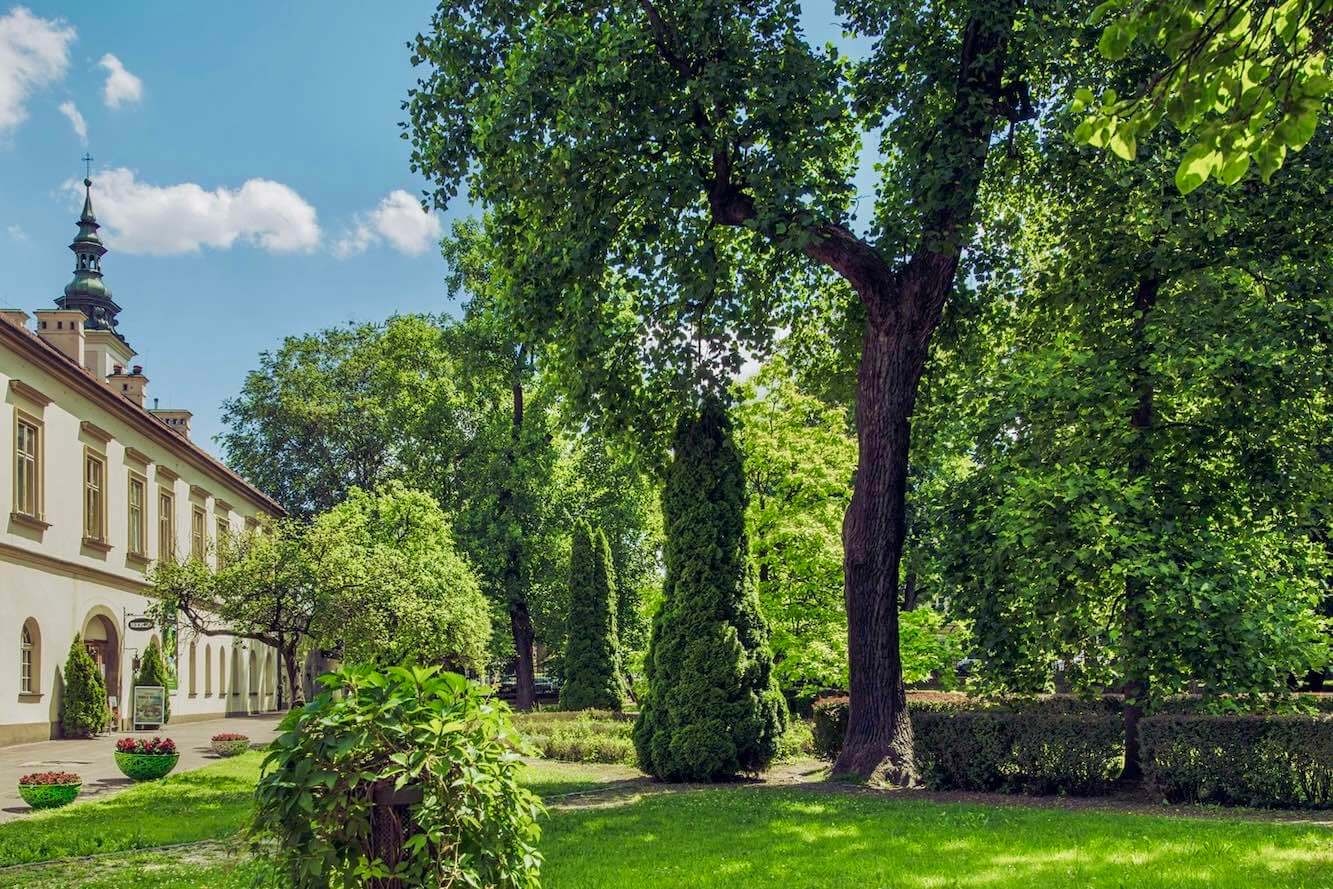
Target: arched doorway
x: 102, y: 640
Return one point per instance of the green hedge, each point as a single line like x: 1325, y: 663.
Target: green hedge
x: 1271, y: 761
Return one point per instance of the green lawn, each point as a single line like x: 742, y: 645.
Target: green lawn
x: 727, y: 837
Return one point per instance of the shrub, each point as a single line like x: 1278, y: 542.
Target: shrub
x: 83, y: 709
x: 713, y: 708
x: 409, y: 771
x: 579, y: 736
x: 592, y: 657
x: 797, y: 742
x: 153, y: 671
x: 829, y: 727
x: 1270, y: 760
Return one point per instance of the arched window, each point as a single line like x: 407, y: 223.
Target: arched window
x: 30, y: 658
x: 254, y: 672
x: 208, y: 670
x: 194, y: 685
x: 222, y: 670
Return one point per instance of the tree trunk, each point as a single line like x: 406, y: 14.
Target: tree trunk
x: 293, y: 678
x: 878, y: 744
x: 1136, y: 687
x: 520, y: 622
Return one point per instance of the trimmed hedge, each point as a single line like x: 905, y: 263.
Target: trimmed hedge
x: 1269, y: 761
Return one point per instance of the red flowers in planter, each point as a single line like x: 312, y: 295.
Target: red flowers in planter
x: 50, y: 778
x: 154, y: 747
x: 229, y: 736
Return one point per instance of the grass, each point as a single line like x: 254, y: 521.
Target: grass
x: 579, y: 736
x: 732, y: 837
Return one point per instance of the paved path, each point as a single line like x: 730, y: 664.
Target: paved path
x: 93, y: 759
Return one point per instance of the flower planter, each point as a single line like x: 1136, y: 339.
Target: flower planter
x: 230, y: 746
x: 49, y: 796
x: 146, y: 766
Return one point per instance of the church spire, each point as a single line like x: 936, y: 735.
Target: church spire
x: 87, y: 291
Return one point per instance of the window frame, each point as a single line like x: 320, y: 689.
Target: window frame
x: 198, y: 515
x: 141, y: 526
x: 23, y: 418
x: 91, y: 457
x: 167, y: 516
x: 26, y: 647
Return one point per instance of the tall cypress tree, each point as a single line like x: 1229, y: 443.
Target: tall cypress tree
x: 592, y: 657
x: 83, y: 710
x: 153, y: 671
x: 713, y: 708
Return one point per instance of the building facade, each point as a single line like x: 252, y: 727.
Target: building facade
x: 99, y: 486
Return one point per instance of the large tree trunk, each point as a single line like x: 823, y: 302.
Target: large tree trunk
x: 1136, y: 688
x: 520, y: 620
x: 879, y: 734
x: 520, y: 623
x: 288, y: 656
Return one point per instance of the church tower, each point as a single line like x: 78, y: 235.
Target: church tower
x: 87, y: 292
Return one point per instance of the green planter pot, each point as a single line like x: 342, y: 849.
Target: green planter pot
x: 231, y: 748
x: 146, y: 766
x: 49, y: 796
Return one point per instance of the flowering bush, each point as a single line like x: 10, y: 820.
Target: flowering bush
x: 143, y: 746
x: 50, y: 778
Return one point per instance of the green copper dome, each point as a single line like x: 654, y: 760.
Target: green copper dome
x: 87, y: 291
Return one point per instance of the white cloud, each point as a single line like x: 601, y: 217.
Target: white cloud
x: 17, y: 233
x: 399, y: 220
x: 121, y: 86
x: 70, y: 110
x: 161, y: 220
x: 34, y: 52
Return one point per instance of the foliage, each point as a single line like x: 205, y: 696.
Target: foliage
x: 931, y: 646
x: 420, y: 602
x: 155, y: 746
x: 83, y: 707
x: 1281, y: 761
x: 1246, y: 79
x: 153, y: 672
x: 406, y: 727
x: 39, y: 778
x: 580, y: 735
x: 713, y: 708
x: 592, y: 671
x: 799, y: 456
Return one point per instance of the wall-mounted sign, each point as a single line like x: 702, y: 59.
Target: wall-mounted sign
x: 150, y: 705
x: 141, y: 623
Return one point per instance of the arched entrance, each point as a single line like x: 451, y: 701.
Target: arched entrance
x: 102, y: 640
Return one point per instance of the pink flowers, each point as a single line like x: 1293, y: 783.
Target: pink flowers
x: 50, y: 778
x: 154, y: 747
x: 229, y: 736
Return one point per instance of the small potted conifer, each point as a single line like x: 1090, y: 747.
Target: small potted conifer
x: 49, y: 790
x: 146, y: 760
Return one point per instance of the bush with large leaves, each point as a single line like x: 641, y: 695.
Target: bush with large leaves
x: 370, y: 734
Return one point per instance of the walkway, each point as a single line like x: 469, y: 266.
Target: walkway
x: 93, y: 759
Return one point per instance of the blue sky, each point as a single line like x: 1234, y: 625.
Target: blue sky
x: 248, y: 171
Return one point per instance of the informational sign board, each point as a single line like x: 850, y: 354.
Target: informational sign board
x: 150, y: 705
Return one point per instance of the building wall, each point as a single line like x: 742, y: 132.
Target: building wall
x: 54, y: 578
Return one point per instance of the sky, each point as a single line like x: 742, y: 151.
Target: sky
x: 248, y: 173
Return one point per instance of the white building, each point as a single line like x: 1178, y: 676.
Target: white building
x: 100, y: 486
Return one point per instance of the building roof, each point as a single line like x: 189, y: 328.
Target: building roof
x: 29, y: 344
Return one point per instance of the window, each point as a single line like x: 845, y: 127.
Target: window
x: 166, y: 524
x: 138, y: 517
x: 223, y: 533
x: 208, y: 670
x: 25, y: 662
x: 197, y: 540
x: 27, y: 467
x: 193, y: 688
x: 94, y: 497
x: 222, y: 670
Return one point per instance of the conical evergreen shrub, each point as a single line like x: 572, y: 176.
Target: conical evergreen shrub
x: 153, y: 671
x: 83, y: 710
x: 712, y: 709
x: 592, y: 655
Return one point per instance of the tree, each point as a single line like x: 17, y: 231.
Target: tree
x: 1139, y: 472
x: 1246, y: 78
x: 83, y: 709
x: 658, y: 178
x: 592, y: 671
x: 153, y: 672
x: 421, y: 602
x: 273, y: 584
x: 713, y: 708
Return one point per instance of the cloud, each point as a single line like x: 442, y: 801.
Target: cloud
x: 70, y: 110
x: 17, y: 233
x: 171, y: 219
x: 121, y: 86
x: 34, y: 52
x: 399, y: 220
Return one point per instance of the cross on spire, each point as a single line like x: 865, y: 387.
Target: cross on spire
x: 87, y: 165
